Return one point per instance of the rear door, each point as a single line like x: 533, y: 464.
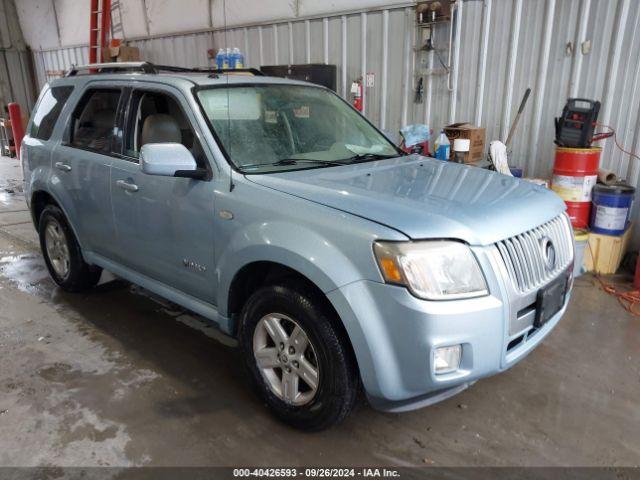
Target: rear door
x: 164, y: 224
x: 82, y: 163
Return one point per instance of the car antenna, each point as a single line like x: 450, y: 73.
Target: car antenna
x: 224, y: 16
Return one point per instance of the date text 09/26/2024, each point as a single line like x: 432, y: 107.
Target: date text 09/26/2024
x: 316, y: 472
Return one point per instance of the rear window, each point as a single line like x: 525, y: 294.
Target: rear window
x: 48, y: 111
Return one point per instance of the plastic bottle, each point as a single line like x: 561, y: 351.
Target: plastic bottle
x: 442, y: 146
x: 227, y: 59
x: 233, y: 57
x: 220, y: 59
x: 238, y: 59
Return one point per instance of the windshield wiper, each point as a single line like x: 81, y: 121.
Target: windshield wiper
x: 364, y: 157
x: 294, y: 161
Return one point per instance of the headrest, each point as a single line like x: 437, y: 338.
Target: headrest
x: 160, y: 128
x: 103, y: 118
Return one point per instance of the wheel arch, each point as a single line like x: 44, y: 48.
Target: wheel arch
x: 39, y: 201
x: 259, y: 273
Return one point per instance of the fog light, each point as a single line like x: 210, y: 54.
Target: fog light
x: 447, y: 359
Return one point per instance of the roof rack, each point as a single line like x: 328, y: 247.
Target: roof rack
x: 171, y: 68
x: 144, y: 67
x: 148, y: 67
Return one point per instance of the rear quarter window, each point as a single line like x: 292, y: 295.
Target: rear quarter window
x: 48, y: 111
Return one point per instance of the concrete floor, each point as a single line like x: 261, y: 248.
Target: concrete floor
x: 114, y: 377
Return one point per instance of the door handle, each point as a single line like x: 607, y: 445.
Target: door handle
x: 129, y: 187
x: 63, y: 166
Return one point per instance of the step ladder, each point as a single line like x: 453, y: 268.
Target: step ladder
x: 99, y: 29
x: 117, y: 30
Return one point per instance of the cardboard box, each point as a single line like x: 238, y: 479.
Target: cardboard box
x: 473, y: 133
x: 121, y: 53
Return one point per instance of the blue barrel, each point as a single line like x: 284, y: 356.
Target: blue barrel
x: 611, y: 208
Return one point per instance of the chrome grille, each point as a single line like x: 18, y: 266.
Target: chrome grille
x: 524, y: 259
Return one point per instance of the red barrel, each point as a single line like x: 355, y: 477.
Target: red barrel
x: 15, y: 115
x: 575, y: 173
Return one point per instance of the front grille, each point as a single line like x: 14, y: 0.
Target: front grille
x: 524, y: 259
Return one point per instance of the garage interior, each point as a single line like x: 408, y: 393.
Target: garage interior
x: 119, y: 377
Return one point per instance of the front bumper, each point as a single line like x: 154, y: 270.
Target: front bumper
x: 394, y: 335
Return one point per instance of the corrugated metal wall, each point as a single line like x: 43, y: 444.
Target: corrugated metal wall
x: 16, y: 81
x: 584, y: 48
x: 16, y: 78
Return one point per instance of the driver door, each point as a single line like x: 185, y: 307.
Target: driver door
x: 164, y: 225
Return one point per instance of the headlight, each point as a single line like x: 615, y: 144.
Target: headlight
x: 433, y: 270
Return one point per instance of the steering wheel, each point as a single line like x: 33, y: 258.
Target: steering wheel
x: 320, y: 139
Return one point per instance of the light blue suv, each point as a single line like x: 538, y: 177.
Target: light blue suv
x: 279, y: 213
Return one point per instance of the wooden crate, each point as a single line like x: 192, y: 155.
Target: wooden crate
x: 607, y: 250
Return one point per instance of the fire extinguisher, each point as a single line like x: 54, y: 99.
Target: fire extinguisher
x: 356, y: 92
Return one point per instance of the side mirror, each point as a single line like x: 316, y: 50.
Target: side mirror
x: 169, y: 160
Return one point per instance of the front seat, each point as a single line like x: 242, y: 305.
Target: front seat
x: 99, y: 134
x: 160, y: 128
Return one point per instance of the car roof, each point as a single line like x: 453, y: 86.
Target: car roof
x: 181, y: 79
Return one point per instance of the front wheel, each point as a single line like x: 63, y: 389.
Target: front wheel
x: 297, y: 359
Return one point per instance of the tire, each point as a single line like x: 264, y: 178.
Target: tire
x: 62, y: 254
x: 337, y: 381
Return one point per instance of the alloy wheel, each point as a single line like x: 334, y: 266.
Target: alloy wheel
x: 286, y: 359
x: 57, y: 249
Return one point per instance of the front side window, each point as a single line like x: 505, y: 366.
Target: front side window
x: 93, y: 121
x: 48, y: 111
x: 158, y: 118
x: 268, y: 128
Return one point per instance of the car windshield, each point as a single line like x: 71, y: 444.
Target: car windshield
x: 269, y: 128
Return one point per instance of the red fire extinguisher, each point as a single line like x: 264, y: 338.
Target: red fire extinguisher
x: 356, y: 92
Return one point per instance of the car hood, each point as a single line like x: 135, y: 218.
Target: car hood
x: 425, y: 198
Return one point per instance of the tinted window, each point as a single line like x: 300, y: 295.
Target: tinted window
x: 93, y: 121
x: 48, y: 111
x: 158, y: 118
